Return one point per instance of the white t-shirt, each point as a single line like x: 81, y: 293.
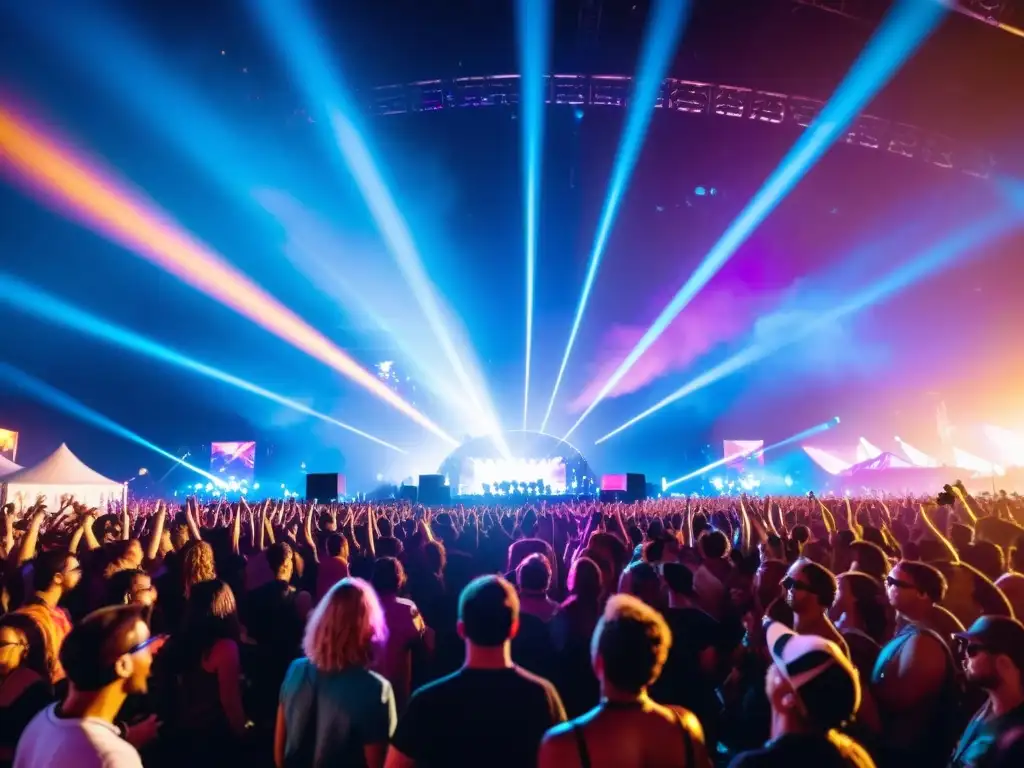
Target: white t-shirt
x: 50, y: 741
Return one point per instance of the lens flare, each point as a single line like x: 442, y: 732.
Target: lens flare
x: 108, y: 207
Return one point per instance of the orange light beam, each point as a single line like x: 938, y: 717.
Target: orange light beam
x: 125, y: 217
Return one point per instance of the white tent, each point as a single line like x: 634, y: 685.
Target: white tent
x: 61, y: 474
x: 8, y: 467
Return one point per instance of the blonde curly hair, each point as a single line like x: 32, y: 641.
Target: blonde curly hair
x: 345, y: 627
x: 197, y: 565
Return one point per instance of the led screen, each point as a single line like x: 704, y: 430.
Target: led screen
x: 237, y: 460
x: 8, y: 444
x: 613, y: 482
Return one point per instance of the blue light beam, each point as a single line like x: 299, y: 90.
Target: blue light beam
x: 754, y: 453
x: 533, y: 29
x: 291, y: 29
x: 932, y: 260
x: 45, y: 306
x: 664, y: 27
x: 64, y: 402
x: 903, y: 30
x: 190, y: 123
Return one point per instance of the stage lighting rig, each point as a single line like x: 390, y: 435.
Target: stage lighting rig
x: 687, y: 97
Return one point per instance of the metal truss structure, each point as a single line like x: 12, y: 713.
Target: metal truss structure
x: 711, y: 100
x: 1001, y: 14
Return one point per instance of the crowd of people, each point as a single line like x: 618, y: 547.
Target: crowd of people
x: 674, y: 632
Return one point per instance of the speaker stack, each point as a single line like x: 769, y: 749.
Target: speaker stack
x: 433, y: 491
x: 325, y: 486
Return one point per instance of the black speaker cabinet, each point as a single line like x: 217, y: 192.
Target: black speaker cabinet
x: 325, y: 486
x: 636, y: 487
x: 433, y: 491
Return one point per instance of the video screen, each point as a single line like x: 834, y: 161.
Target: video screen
x: 237, y: 460
x: 614, y: 482
x: 8, y: 444
x: 497, y: 473
x: 742, y: 450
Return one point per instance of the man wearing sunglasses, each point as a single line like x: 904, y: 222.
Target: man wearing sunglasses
x: 810, y: 592
x: 107, y: 656
x: 993, y: 653
x: 914, y: 680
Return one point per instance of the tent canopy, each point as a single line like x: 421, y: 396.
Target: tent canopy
x: 62, y: 474
x: 8, y: 467
x: 881, y: 462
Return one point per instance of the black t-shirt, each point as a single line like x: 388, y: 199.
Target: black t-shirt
x: 272, y: 620
x: 479, y: 717
x: 832, y: 750
x: 682, y: 681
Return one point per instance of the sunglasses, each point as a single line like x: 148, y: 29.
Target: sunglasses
x: 17, y: 644
x: 144, y: 644
x: 891, y: 582
x: 971, y: 649
x: 790, y: 583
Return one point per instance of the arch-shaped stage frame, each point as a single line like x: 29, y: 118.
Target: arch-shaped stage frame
x: 523, y: 444
x: 691, y: 97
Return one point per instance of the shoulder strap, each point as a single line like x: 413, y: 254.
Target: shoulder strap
x: 687, y: 739
x: 581, y: 745
x: 889, y: 651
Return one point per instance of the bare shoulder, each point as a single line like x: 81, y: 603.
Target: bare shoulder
x: 676, y: 715
x: 928, y: 646
x: 558, y: 749
x: 690, y: 723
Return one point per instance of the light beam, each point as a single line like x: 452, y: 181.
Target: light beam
x: 45, y: 306
x: 664, y: 26
x: 298, y: 40
x: 755, y: 452
x: 64, y: 402
x: 870, y: 451
x: 533, y: 31
x: 108, y: 207
x: 831, y: 464
x: 904, y: 28
x: 918, y: 457
x: 937, y: 257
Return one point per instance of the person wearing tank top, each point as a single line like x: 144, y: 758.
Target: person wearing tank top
x: 631, y: 643
x: 914, y: 678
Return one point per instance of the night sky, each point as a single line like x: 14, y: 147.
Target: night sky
x: 951, y: 337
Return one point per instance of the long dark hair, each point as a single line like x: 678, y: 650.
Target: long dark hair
x: 211, y: 614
